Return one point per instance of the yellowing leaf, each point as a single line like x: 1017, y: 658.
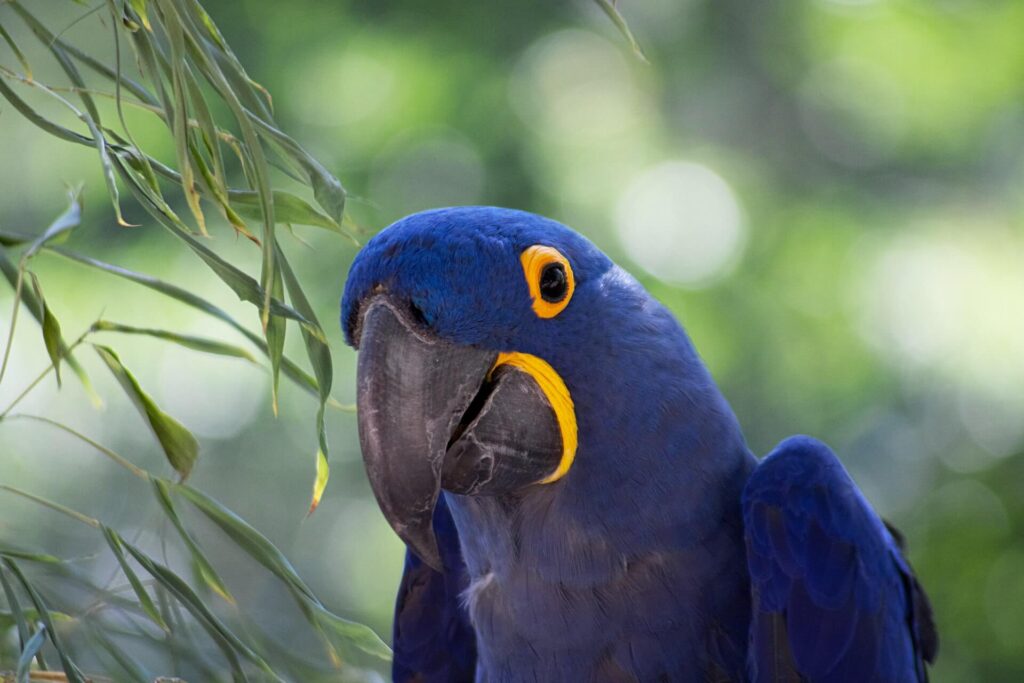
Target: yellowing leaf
x: 323, y: 473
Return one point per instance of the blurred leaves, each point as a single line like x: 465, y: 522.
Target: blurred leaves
x: 177, y: 43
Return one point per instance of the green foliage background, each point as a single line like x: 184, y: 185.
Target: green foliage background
x: 871, y: 293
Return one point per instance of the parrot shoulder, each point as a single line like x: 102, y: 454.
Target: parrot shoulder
x: 834, y: 599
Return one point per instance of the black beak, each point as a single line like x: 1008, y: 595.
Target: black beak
x: 432, y: 414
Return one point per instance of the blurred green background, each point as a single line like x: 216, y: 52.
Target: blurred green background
x: 828, y: 193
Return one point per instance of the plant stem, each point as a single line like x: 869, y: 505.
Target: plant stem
x: 119, y: 459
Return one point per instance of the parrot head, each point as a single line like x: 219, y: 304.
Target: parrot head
x: 501, y: 354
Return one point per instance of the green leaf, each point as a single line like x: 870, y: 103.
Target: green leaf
x: 51, y: 328
x: 275, y: 331
x: 140, y: 8
x: 327, y: 190
x: 288, y: 367
x: 288, y: 208
x: 609, y: 8
x: 42, y: 558
x: 90, y: 117
x: 206, y: 570
x: 29, y: 652
x: 39, y: 120
x: 114, y: 541
x: 229, y: 643
x: 242, y: 284
x: 263, y: 551
x: 17, y: 52
x: 10, y: 272
x: 320, y: 358
x: 72, y: 672
x: 18, y: 615
x: 180, y: 447
x: 181, y: 132
x: 58, y: 230
x: 188, y: 341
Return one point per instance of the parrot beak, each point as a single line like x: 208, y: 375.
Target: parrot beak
x: 433, y: 415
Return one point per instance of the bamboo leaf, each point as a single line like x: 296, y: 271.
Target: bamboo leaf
x: 320, y: 358
x: 181, y: 132
x: 263, y: 551
x: 288, y: 367
x: 72, y: 672
x: 609, y: 8
x: 188, y: 341
x: 249, y: 539
x: 323, y: 473
x: 51, y: 328
x: 114, y: 541
x: 39, y: 120
x: 58, y: 230
x: 180, y: 447
x: 42, y: 558
x: 230, y: 643
x: 288, y: 208
x: 275, y: 330
x: 17, y: 614
x: 242, y: 284
x: 206, y: 570
x: 10, y: 272
x: 327, y: 190
x: 29, y: 652
x: 140, y: 8
x: 17, y: 52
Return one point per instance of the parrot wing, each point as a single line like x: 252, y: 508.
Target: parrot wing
x: 833, y: 597
x: 432, y: 638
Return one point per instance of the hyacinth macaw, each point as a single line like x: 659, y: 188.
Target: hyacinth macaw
x: 576, y: 496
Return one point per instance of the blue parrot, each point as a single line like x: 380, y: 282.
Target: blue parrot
x: 576, y: 495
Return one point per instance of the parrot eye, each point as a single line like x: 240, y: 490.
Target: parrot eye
x: 550, y: 279
x: 553, y: 284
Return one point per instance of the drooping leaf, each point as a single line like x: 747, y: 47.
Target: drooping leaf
x: 241, y: 283
x: 72, y: 672
x: 42, y: 558
x: 229, y: 643
x: 17, y: 52
x: 58, y: 230
x: 51, y: 328
x: 263, y: 551
x: 288, y: 208
x: 275, y: 329
x: 10, y: 272
x: 29, y: 652
x: 179, y: 446
x: 323, y: 473
x: 610, y: 9
x: 17, y: 614
x: 288, y: 367
x: 203, y: 344
x: 140, y: 8
x: 320, y: 358
x: 146, y: 602
x: 206, y: 570
x: 327, y: 190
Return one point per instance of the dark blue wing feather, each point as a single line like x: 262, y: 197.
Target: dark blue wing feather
x: 833, y: 597
x: 433, y: 639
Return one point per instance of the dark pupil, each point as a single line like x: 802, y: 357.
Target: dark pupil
x: 553, y: 284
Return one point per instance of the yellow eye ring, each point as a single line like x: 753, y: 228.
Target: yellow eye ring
x: 550, y: 279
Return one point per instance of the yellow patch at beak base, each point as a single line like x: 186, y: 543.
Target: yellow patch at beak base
x: 557, y: 395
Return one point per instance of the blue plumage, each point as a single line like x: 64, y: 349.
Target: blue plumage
x: 667, y: 552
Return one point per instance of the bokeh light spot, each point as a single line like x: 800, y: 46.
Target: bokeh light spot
x: 681, y: 222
